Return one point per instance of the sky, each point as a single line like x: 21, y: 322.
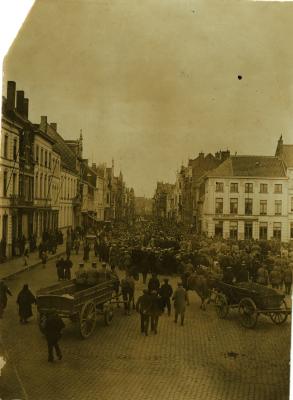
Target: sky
x: 153, y: 83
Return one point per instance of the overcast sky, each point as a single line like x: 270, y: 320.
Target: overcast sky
x: 154, y: 82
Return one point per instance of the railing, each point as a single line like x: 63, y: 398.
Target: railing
x: 19, y: 201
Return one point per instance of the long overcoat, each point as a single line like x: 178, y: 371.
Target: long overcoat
x: 180, y: 299
x: 25, y: 299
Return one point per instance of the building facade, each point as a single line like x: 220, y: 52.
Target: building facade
x: 245, y: 198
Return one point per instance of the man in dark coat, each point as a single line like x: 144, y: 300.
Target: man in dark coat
x: 144, y: 266
x: 52, y: 329
x: 143, y: 306
x: 156, y: 311
x: 25, y: 299
x: 67, y: 268
x: 4, y: 291
x: 154, y: 283
x: 242, y: 274
x: 127, y: 290
x: 60, y: 269
x: 228, y: 275
x: 86, y: 251
x: 166, y: 292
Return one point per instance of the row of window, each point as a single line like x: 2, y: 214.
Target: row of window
x: 248, y: 207
x: 11, y: 187
x: 234, y: 187
x: 248, y: 230
x: 68, y: 187
x: 43, y: 187
x: 44, y: 158
x: 5, y: 151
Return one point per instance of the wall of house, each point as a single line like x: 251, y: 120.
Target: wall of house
x: 9, y: 167
x: 210, y: 218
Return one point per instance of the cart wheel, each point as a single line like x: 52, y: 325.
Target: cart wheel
x: 87, y: 319
x: 280, y: 317
x: 248, y: 313
x: 221, y: 304
x: 108, y: 315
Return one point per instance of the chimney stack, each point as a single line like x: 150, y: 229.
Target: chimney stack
x: 11, y: 87
x: 43, y: 124
x: 19, y: 101
x: 54, y: 126
x: 94, y: 166
x: 25, y: 107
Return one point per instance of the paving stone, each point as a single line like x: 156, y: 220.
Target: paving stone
x: 188, y: 363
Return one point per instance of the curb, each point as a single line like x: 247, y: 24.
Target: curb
x: 31, y: 266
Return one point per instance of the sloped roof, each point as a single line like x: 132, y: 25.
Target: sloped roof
x: 254, y: 166
x: 68, y: 158
x: 287, y: 155
x: 201, y: 165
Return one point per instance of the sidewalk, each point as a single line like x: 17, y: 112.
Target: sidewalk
x: 16, y: 266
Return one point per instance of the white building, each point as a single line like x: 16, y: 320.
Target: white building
x: 246, y: 197
x: 46, y: 183
x: 9, y: 172
x: 65, y: 177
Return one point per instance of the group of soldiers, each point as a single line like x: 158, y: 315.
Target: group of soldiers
x: 155, y: 298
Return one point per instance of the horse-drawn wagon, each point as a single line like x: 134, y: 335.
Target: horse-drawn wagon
x: 251, y: 300
x: 80, y: 304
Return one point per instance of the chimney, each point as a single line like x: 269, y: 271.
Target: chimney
x: 11, y: 87
x: 19, y: 101
x: 25, y: 107
x: 94, y: 166
x: 54, y: 126
x: 43, y: 124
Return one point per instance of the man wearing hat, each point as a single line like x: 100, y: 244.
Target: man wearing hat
x: 180, y: 298
x: 92, y: 275
x: 156, y: 311
x: 4, y: 291
x: 154, y: 283
x: 52, y: 328
x: 166, y: 292
x: 104, y: 272
x: 242, y: 274
x: 81, y: 275
x: 287, y: 276
x: 143, y: 306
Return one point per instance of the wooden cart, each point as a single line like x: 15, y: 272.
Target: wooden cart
x: 251, y: 300
x: 78, y: 303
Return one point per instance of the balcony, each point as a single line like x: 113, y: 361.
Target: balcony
x: 43, y: 203
x: 19, y: 201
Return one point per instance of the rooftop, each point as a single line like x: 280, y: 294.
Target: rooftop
x: 250, y: 166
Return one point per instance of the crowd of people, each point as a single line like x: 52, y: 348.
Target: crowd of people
x: 150, y: 249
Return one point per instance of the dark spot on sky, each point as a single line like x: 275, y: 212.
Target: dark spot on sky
x: 239, y: 77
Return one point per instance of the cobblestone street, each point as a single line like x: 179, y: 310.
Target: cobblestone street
x: 208, y: 358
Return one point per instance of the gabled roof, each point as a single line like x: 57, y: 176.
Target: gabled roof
x: 254, y: 166
x: 287, y: 155
x: 68, y: 158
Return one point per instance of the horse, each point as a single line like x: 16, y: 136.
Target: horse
x: 202, y: 283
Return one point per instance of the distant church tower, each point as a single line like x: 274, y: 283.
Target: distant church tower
x: 80, y: 149
x: 279, y: 150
